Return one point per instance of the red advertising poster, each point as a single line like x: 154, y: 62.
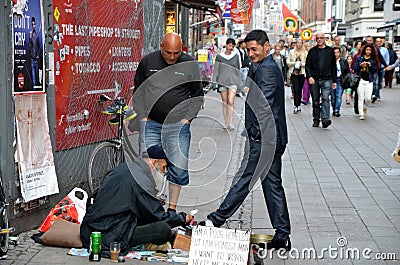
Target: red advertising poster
x: 241, y: 11
x: 97, y: 48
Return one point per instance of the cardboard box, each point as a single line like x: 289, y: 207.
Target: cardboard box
x: 182, y: 242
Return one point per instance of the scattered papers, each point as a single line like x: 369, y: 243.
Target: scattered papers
x: 80, y: 252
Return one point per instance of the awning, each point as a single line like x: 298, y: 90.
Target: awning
x: 206, y: 5
x: 389, y: 25
x: 386, y: 27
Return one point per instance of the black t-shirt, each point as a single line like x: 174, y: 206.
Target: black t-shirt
x: 364, y: 72
x: 322, y: 61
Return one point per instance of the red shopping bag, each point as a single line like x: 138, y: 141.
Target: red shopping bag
x: 71, y: 208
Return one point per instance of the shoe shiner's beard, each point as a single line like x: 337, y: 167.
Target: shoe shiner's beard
x: 161, y: 181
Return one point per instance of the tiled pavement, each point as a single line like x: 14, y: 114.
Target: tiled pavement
x: 333, y: 178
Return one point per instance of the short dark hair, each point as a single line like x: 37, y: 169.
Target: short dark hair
x: 336, y: 48
x: 230, y: 41
x: 260, y: 36
x: 240, y: 42
x: 33, y: 19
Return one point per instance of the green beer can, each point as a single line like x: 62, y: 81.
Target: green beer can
x: 95, y: 246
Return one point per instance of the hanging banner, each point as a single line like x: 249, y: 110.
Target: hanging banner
x: 227, y: 9
x: 290, y: 22
x: 28, y: 52
x: 97, y: 48
x: 241, y: 11
x: 34, y: 152
x: 306, y: 34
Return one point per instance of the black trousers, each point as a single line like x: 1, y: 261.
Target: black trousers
x: 157, y: 233
x: 297, y: 83
x: 274, y: 193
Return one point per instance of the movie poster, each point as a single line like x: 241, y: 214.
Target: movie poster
x: 28, y: 36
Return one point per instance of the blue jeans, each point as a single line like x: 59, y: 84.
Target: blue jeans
x: 336, y: 96
x: 378, y: 76
x: 35, y: 70
x: 321, y: 110
x: 244, y: 72
x: 274, y: 194
x: 175, y: 140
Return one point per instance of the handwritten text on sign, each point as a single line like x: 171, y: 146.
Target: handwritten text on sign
x: 218, y: 246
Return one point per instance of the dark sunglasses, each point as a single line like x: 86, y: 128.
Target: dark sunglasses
x: 319, y: 38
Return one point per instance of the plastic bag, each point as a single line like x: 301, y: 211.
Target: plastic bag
x: 71, y: 208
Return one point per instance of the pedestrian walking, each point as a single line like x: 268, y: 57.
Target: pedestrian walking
x: 321, y: 74
x: 296, y: 62
x: 166, y: 103
x: 280, y: 61
x: 244, y: 68
x: 365, y: 67
x: 228, y: 77
x: 349, y: 90
x: 392, y: 60
x: 336, y: 94
x: 269, y: 81
x: 306, y: 86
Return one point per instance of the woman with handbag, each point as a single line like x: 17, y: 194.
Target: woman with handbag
x: 296, y: 62
x: 365, y: 67
x: 336, y: 94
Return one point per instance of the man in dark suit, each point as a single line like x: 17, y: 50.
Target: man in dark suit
x: 266, y: 129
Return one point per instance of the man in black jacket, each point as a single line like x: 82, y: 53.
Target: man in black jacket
x: 266, y: 130
x: 321, y: 74
x: 168, y: 95
x: 126, y: 208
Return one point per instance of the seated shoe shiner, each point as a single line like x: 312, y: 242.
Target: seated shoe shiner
x: 126, y: 208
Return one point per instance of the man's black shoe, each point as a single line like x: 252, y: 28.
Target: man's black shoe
x: 326, y: 123
x: 374, y: 98
x: 315, y: 124
x: 278, y: 244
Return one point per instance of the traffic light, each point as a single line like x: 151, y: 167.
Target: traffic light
x: 396, y: 5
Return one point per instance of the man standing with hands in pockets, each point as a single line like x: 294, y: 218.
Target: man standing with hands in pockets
x: 321, y: 75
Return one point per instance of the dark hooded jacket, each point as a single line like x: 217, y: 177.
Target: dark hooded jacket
x: 122, y: 204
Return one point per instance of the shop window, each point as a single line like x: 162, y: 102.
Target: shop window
x: 378, y: 5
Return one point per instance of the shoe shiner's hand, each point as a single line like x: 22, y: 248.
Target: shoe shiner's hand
x: 185, y: 121
x: 189, y: 218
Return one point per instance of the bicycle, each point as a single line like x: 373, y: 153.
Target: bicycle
x: 4, y: 229
x: 111, y: 153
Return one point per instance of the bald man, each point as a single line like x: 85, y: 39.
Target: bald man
x: 168, y: 95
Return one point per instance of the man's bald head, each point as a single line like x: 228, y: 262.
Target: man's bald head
x: 171, y: 48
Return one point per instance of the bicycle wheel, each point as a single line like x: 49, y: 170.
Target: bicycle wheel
x: 105, y: 156
x: 3, y: 237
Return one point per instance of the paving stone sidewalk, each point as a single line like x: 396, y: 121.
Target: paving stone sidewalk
x: 338, y: 194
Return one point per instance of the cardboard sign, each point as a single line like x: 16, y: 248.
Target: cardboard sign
x: 219, y: 246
